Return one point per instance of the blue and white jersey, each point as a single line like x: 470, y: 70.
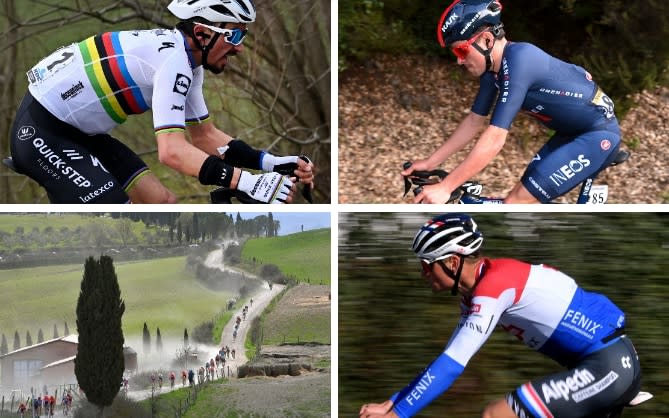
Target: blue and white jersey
x: 562, y: 96
x: 541, y: 306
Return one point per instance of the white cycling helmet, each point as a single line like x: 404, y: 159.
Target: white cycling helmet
x: 216, y: 11
x: 447, y: 235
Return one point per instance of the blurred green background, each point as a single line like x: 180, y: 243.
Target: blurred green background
x: 391, y: 325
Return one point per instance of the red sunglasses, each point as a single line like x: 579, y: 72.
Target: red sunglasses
x: 461, y: 51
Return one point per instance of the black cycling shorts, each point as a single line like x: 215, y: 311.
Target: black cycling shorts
x: 72, y: 166
x: 598, y: 384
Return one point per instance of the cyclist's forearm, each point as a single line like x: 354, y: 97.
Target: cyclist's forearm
x: 463, y: 134
x: 177, y: 153
x: 234, y: 151
x: 427, y: 386
x: 208, y: 138
x: 485, y: 150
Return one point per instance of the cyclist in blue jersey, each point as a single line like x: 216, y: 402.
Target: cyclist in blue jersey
x: 517, y: 76
x: 60, y: 137
x: 541, y: 306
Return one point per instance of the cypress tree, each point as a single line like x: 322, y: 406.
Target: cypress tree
x: 269, y: 229
x: 29, y: 339
x: 196, y: 227
x: 17, y: 340
x: 159, y: 341
x: 55, y: 331
x: 40, y: 336
x: 146, y: 339
x: 99, y: 363
x: 185, y: 337
x: 66, y: 331
x: 3, y: 346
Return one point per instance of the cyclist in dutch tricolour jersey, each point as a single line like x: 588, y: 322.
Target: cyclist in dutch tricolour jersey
x: 542, y: 307
x: 80, y: 92
x: 518, y: 76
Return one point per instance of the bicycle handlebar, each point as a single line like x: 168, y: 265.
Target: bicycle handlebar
x: 223, y: 195
x: 422, y: 178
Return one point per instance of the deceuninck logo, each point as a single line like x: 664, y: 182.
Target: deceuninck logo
x: 25, y: 133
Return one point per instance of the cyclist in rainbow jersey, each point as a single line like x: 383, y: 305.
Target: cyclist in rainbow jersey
x: 80, y: 92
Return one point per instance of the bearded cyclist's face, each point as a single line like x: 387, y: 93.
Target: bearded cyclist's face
x: 434, y: 273
x: 218, y: 55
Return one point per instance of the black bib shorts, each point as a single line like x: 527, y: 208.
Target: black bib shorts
x: 72, y: 166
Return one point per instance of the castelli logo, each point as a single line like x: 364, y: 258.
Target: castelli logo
x: 605, y: 144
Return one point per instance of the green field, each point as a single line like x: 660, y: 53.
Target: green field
x: 304, y: 255
x: 296, y: 319
x: 159, y: 292
x: 300, y: 328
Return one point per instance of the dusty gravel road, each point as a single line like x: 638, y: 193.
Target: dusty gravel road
x: 261, y: 298
x: 260, y: 301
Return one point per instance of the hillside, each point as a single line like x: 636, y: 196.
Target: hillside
x: 160, y: 292
x: 302, y: 315
x: 388, y: 115
x: 303, y: 255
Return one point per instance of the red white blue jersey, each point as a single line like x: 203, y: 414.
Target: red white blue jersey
x: 541, y: 306
x: 561, y: 95
x: 94, y: 85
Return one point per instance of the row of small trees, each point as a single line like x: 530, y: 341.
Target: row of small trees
x: 161, y: 229
x: 4, y: 348
x: 146, y: 340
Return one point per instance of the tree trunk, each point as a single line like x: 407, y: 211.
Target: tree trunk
x: 7, y: 95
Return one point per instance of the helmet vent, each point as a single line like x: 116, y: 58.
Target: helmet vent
x: 243, y: 6
x: 222, y: 10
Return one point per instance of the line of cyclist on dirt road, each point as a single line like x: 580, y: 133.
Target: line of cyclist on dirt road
x: 45, y: 405
x: 212, y: 369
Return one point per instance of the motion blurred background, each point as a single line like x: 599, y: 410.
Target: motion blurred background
x: 391, y: 325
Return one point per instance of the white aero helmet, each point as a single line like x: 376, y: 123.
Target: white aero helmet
x: 446, y: 235
x: 216, y: 11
